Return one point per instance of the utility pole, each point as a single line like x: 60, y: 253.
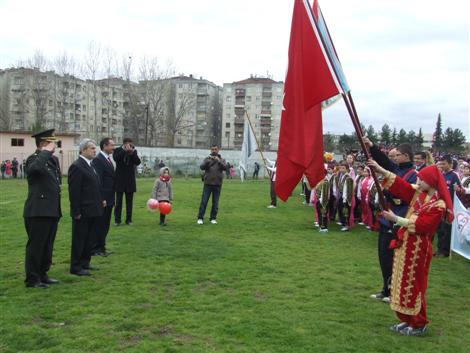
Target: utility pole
x: 146, y: 122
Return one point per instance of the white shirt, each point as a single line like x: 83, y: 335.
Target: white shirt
x: 108, y: 158
x: 87, y: 160
x: 106, y: 155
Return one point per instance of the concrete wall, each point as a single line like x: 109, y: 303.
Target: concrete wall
x: 66, y: 154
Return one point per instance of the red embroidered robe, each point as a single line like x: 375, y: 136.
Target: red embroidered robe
x: 412, y: 259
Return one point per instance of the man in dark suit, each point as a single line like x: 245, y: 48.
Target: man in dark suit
x: 41, y: 210
x: 126, y: 162
x: 105, y: 168
x: 86, y: 207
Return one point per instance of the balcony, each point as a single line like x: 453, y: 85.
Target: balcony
x: 267, y: 95
x: 265, y: 129
x: 239, y: 92
x: 239, y: 120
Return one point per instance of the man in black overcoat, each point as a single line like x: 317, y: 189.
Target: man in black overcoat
x: 86, y: 207
x: 104, y: 166
x: 127, y: 160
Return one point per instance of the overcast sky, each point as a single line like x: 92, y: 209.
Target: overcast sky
x: 405, y: 61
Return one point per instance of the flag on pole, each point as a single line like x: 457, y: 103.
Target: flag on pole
x: 249, y: 147
x: 460, y: 238
x: 314, y: 75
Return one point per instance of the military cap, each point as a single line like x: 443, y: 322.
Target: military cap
x: 46, y: 135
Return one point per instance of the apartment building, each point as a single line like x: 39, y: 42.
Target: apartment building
x: 30, y: 98
x: 261, y: 99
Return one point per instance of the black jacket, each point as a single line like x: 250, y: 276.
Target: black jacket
x: 126, y: 164
x: 213, y: 170
x: 84, y: 190
x: 106, y: 174
x: 43, y: 186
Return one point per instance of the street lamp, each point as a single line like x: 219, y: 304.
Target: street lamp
x: 146, y: 122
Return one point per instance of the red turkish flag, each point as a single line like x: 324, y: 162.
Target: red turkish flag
x: 309, y: 81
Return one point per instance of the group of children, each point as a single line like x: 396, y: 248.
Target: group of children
x: 346, y: 196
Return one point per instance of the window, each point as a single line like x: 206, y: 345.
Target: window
x: 59, y: 143
x: 228, y: 99
x: 227, y: 134
x: 227, y: 125
x: 17, y: 142
x: 248, y: 98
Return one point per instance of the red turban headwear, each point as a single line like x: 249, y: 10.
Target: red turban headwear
x: 432, y: 176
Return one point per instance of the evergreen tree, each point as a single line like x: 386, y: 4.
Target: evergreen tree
x: 328, y: 142
x: 453, y: 140
x: 419, y: 140
x: 411, y: 139
x: 402, y: 136
x: 347, y: 142
x: 370, y: 133
x: 459, y: 140
x: 437, y: 138
x: 386, y: 135
x: 394, y: 139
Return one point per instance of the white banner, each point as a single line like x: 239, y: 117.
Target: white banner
x: 248, y: 148
x: 460, y: 242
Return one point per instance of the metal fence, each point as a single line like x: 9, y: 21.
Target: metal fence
x: 186, y: 162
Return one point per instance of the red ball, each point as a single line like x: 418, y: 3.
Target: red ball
x: 165, y: 208
x: 152, y: 204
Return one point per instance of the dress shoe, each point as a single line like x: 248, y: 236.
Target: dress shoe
x: 81, y: 273
x: 48, y: 280
x: 91, y: 268
x: 129, y: 223
x: 37, y: 285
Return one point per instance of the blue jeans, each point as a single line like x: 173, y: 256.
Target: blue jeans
x: 206, y: 193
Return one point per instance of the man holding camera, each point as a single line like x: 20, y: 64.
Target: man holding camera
x: 213, y: 166
x: 127, y: 160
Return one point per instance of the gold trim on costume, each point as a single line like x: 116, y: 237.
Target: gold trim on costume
x: 412, y: 223
x: 398, y: 270
x: 389, y: 180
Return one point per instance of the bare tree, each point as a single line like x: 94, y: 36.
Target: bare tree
x: 111, y: 69
x: 178, y: 118
x: 92, y: 67
x: 155, y: 86
x: 67, y: 99
x: 133, y: 111
x: 5, y: 121
x: 41, y: 87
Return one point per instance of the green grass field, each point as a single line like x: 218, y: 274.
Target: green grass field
x: 261, y: 280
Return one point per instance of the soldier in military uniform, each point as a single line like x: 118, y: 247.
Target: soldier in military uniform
x: 41, y: 210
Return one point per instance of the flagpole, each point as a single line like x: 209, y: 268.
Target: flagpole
x: 351, y: 110
x: 256, y: 139
x: 357, y: 126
